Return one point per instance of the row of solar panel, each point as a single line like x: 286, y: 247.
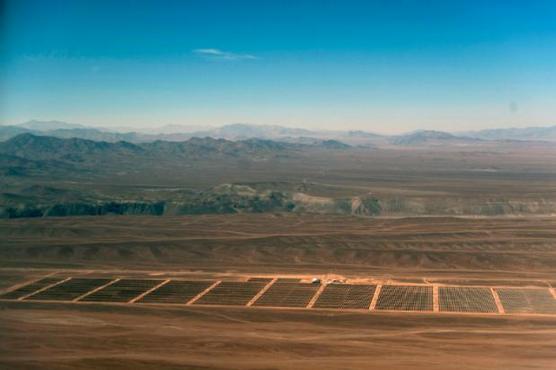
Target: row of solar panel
x: 284, y: 293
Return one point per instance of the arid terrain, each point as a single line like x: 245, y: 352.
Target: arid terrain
x: 435, y: 246
x: 48, y: 176
x: 431, y: 252
x: 61, y: 337
x: 511, y: 252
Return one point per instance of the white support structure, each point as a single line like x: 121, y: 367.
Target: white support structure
x: 497, y: 301
x: 435, y: 304
x: 375, y: 297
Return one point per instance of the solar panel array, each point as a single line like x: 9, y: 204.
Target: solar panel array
x: 405, y: 298
x: 30, y: 288
x: 232, y: 293
x: 516, y: 300
x: 287, y: 294
x: 346, y: 296
x: 122, y: 291
x: 176, y: 291
x: 69, y: 290
x: 466, y: 299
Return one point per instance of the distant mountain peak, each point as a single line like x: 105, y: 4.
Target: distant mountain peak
x: 49, y: 125
x: 39, y: 147
x: 334, y: 144
x: 547, y: 133
x: 427, y: 136
x: 244, y: 131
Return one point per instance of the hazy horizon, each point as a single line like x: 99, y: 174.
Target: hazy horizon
x: 379, y: 67
x: 193, y: 128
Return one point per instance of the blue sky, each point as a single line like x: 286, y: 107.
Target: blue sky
x: 385, y: 66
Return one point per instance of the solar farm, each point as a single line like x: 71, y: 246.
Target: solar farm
x: 405, y: 298
x: 69, y: 290
x: 231, y: 293
x: 123, y: 290
x: 466, y: 299
x: 176, y: 292
x: 288, y: 293
x: 342, y: 296
x: 527, y: 300
x: 32, y: 288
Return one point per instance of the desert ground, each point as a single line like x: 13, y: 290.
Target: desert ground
x: 480, y: 251
x: 61, y: 337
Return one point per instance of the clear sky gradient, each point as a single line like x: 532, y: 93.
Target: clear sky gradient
x: 385, y: 66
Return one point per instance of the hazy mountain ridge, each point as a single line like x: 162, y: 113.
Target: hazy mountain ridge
x: 33, y: 147
x: 49, y: 125
x: 49, y: 176
x: 429, y: 137
x: 241, y: 131
x: 7, y: 132
x: 29, y: 155
x: 233, y: 132
x: 527, y: 133
x: 238, y: 131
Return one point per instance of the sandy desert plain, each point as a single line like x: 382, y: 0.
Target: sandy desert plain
x: 474, y: 252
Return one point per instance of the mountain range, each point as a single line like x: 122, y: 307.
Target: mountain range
x: 43, y: 175
x: 37, y: 147
x: 240, y: 131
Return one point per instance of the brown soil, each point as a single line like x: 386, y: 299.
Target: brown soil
x: 79, y: 337
x: 489, y: 251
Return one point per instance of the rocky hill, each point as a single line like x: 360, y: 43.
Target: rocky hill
x: 50, y: 176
